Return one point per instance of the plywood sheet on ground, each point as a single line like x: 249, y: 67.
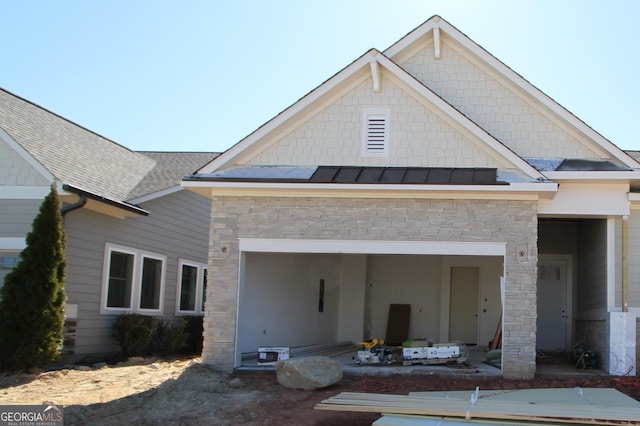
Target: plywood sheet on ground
x: 406, y: 420
x: 483, y: 409
x: 578, y: 396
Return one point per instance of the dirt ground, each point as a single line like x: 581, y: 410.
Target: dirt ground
x: 186, y: 392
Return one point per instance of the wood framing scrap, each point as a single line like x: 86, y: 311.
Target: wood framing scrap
x: 582, y: 412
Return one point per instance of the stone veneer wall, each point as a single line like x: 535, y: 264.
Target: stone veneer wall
x: 512, y: 222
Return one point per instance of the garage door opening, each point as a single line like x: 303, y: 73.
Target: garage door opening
x: 297, y: 300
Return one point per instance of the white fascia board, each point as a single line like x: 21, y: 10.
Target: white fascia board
x: 595, y: 175
x: 46, y: 174
x: 23, y: 192
x: 155, y: 195
x: 600, y: 199
x: 292, y: 111
x: 372, y: 247
x: 519, y: 191
x: 12, y: 244
x: 418, y: 34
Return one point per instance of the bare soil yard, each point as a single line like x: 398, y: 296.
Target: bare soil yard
x: 185, y: 392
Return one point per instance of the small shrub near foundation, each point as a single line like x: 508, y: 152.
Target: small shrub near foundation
x: 142, y: 335
x: 168, y: 338
x: 193, y: 327
x: 134, y: 333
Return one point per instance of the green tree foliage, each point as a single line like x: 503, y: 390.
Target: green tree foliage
x: 33, y: 299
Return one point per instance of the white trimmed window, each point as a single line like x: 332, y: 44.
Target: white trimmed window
x: 375, y: 132
x: 192, y: 288
x: 133, y: 281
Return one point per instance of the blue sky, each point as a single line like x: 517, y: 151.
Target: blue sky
x: 201, y: 75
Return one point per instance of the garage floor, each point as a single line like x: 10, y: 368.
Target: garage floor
x: 475, y: 366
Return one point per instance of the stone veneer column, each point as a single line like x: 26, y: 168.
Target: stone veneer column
x: 222, y: 287
x: 520, y: 312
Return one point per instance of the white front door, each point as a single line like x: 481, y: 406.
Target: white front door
x: 552, y: 305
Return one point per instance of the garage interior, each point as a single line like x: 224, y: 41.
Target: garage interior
x: 332, y: 300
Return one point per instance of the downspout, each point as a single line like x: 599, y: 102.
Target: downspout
x: 625, y: 263
x: 77, y: 205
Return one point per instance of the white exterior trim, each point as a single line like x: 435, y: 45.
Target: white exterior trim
x: 594, y: 175
x: 588, y: 199
x: 201, y: 268
x: 155, y: 195
x: 136, y: 280
x: 611, y: 264
x: 23, y: 192
x: 7, y: 243
x: 321, y: 92
x: 514, y: 191
x: 372, y: 247
x: 634, y: 198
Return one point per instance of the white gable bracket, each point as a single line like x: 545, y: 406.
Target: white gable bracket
x: 436, y: 42
x: 375, y: 73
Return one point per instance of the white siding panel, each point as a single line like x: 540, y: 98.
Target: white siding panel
x: 417, y: 136
x: 493, y: 106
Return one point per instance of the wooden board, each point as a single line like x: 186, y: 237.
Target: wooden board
x: 569, y: 396
x: 398, y: 324
x: 483, y: 409
x: 408, y: 420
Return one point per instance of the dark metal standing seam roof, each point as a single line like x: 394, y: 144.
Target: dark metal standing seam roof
x: 406, y: 175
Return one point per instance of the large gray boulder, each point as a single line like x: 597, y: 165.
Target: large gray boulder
x: 313, y: 372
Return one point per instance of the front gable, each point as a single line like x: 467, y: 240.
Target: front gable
x: 328, y: 126
x: 415, y: 135
x: 496, y: 98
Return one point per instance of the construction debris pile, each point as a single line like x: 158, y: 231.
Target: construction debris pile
x: 375, y: 352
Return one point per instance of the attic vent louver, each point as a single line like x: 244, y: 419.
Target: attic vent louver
x: 375, y: 132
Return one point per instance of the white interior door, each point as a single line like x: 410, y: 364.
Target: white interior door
x: 463, y: 321
x: 552, y: 305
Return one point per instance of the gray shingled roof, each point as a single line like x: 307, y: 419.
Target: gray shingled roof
x: 84, y: 159
x: 169, y: 170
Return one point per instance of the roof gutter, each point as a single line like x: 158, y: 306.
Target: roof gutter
x: 86, y: 195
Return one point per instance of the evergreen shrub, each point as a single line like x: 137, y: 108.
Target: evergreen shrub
x: 32, y: 300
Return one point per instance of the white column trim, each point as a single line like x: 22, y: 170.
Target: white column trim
x: 611, y: 264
